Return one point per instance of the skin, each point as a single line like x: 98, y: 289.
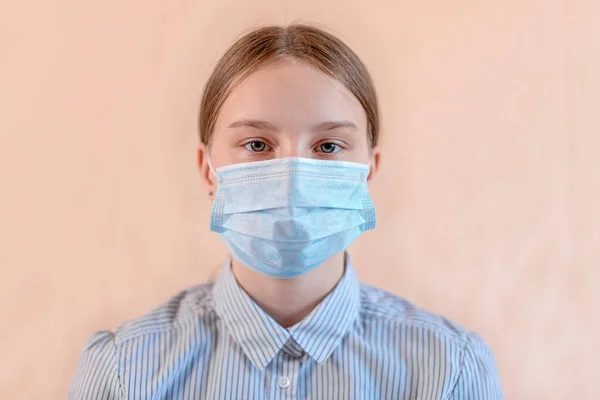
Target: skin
x: 288, y: 109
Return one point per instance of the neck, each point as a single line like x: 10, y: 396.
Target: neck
x: 288, y: 301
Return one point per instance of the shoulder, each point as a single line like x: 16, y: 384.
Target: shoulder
x: 472, y: 367
x: 380, y: 305
x: 479, y: 376
x: 110, y: 355
x: 96, y: 373
x: 175, y: 313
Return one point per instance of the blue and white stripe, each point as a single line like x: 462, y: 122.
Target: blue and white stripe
x: 212, y: 341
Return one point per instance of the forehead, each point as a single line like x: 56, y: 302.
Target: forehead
x: 289, y: 92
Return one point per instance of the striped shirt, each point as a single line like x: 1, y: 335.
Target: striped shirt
x: 212, y: 341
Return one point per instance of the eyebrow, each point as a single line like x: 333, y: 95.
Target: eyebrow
x: 267, y: 126
x: 331, y: 125
x: 253, y: 123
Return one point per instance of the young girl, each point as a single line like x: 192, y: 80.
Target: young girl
x: 289, y: 129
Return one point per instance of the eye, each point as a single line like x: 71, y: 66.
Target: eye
x: 328, y: 148
x: 257, y: 146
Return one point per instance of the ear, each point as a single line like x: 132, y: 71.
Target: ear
x: 208, y: 178
x: 375, y: 158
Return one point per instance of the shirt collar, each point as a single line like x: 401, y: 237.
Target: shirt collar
x: 261, y: 337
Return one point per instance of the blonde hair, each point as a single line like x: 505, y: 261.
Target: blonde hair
x: 310, y: 45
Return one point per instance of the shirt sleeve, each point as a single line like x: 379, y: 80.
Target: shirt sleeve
x: 478, y: 378
x: 96, y: 374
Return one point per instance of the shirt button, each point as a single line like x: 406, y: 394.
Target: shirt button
x: 284, y: 382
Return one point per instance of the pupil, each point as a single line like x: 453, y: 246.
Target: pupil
x: 257, y: 146
x: 327, y: 147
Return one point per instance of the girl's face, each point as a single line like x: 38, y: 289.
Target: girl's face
x: 288, y: 109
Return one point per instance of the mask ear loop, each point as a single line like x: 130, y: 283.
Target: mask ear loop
x: 370, y: 164
x: 210, y: 165
x: 211, y: 170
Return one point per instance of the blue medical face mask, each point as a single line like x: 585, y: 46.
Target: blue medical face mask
x: 284, y: 217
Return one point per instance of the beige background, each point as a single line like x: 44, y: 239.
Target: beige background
x: 487, y: 198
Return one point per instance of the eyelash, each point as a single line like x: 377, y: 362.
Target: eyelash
x: 248, y: 147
